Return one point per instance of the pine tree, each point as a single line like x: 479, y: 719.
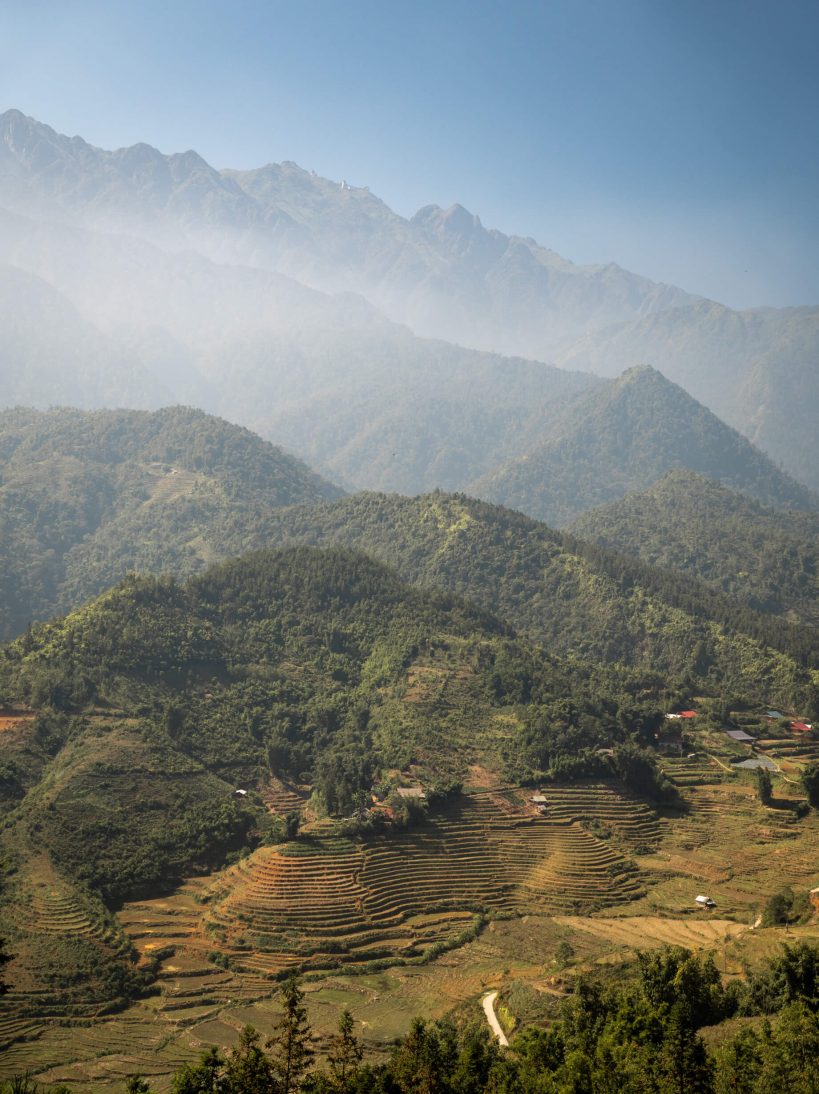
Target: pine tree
x: 344, y: 1056
x: 739, y: 1064
x: 683, y: 1065
x: 764, y: 787
x: 201, y: 1078
x: 417, y: 1064
x: 290, y: 1042
x: 810, y: 781
x: 248, y: 1070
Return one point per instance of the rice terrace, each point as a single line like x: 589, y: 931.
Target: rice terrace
x: 482, y: 895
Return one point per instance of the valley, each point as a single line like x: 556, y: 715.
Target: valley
x: 597, y: 876
x: 396, y: 612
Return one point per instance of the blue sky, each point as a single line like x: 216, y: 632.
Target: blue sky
x: 678, y: 138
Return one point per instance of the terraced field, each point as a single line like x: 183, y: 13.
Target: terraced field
x: 49, y: 915
x: 10, y: 719
x: 327, y: 902
x: 644, y: 932
x: 281, y: 799
x: 334, y: 906
x: 613, y: 809
x: 699, y: 770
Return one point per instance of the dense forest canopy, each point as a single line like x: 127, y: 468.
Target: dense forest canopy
x: 572, y: 597
x: 87, y: 496
x: 766, y: 557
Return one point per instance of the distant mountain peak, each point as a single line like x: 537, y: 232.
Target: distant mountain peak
x: 623, y: 437
x: 641, y: 374
x: 456, y: 219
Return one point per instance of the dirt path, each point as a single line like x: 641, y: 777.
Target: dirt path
x: 488, y: 1003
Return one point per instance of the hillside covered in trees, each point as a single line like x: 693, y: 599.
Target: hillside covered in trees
x: 151, y: 705
x: 623, y: 437
x: 570, y: 596
x: 767, y: 557
x: 86, y: 496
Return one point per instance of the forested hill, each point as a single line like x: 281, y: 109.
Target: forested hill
x: 87, y: 496
x: 625, y: 436
x: 574, y: 598
x: 152, y: 704
x: 768, y: 558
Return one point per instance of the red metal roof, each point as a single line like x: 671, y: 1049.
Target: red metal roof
x: 688, y: 714
x: 802, y: 727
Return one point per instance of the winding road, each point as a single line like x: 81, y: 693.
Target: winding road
x: 488, y: 1003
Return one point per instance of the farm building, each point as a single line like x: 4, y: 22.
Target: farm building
x: 705, y: 901
x: 774, y: 714
x: 801, y: 727
x: 415, y: 792
x: 756, y: 762
x: 739, y: 735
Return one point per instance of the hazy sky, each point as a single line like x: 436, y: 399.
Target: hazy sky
x: 678, y: 138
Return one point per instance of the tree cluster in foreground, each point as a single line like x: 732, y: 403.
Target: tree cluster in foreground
x: 641, y: 1036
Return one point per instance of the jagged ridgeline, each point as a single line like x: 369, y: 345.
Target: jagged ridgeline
x: 151, y: 705
x: 86, y: 496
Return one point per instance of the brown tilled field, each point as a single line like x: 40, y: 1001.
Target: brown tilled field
x: 10, y: 719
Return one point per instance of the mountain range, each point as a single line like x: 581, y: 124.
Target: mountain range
x: 261, y: 294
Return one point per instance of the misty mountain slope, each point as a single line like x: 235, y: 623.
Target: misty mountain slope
x: 393, y: 412
x: 121, y: 281
x: 87, y: 496
x: 625, y: 436
x: 50, y: 354
x: 767, y: 557
x: 194, y: 269
x: 441, y: 272
x: 329, y: 377
x: 757, y: 369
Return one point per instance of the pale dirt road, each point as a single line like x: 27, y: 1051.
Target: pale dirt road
x: 488, y: 1003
